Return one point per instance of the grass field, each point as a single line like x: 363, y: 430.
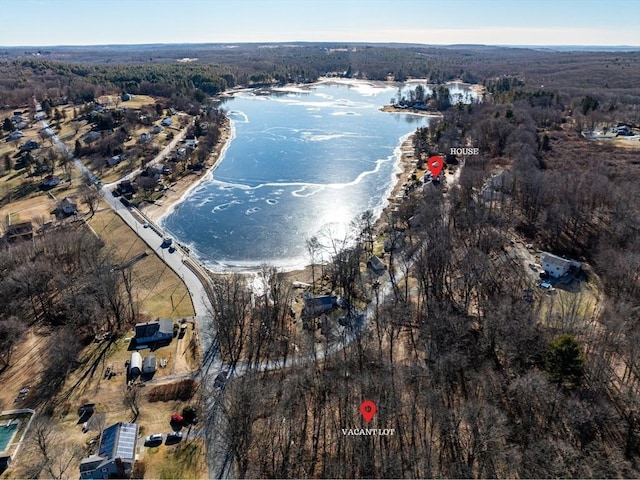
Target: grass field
x: 136, y: 101
x: 160, y: 291
x: 184, y: 460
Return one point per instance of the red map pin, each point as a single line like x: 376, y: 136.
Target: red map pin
x: 368, y: 410
x: 435, y: 164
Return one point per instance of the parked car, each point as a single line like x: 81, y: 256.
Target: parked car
x: 153, y: 440
x: 546, y: 286
x: 174, y: 437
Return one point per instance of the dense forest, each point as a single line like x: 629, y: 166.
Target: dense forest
x: 79, y: 74
x: 477, y: 376
x: 475, y: 379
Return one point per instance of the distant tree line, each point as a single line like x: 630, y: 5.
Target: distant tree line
x: 93, y: 73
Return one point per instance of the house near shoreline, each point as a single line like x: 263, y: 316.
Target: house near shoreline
x: 92, y: 136
x: 28, y: 146
x: 15, y: 135
x: 50, y: 181
x: 376, y: 264
x: 317, y: 305
x: 191, y: 141
x: 150, y: 333
x: 115, y: 160
x: 116, y: 455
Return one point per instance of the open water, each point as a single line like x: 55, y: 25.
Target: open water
x: 302, y: 162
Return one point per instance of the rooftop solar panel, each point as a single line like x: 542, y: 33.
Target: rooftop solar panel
x: 119, y: 441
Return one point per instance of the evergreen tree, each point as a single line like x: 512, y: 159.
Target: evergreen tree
x: 564, y: 361
x: 7, y: 125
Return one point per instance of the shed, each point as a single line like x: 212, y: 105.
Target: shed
x: 19, y: 231
x: 376, y: 264
x: 149, y: 364
x: 135, y: 365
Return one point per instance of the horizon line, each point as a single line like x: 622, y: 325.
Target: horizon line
x: 333, y: 42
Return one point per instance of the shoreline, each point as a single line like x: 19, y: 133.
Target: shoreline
x: 410, y: 111
x: 176, y: 192
x: 404, y: 168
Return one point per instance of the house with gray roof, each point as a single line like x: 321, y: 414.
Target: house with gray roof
x: 149, y: 333
x: 116, y: 455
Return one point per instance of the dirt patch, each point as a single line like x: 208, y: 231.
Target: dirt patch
x: 24, y: 371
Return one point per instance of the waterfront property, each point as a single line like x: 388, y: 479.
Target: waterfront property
x: 317, y: 305
x: 150, y: 333
x: 325, y: 155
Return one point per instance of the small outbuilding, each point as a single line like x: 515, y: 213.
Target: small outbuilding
x: 135, y: 364
x: 376, y: 264
x: 149, y: 364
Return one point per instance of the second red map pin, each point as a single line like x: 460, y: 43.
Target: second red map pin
x: 435, y: 164
x: 368, y: 410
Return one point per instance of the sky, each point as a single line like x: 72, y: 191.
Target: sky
x: 490, y: 22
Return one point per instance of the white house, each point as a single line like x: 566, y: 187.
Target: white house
x: 556, y: 266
